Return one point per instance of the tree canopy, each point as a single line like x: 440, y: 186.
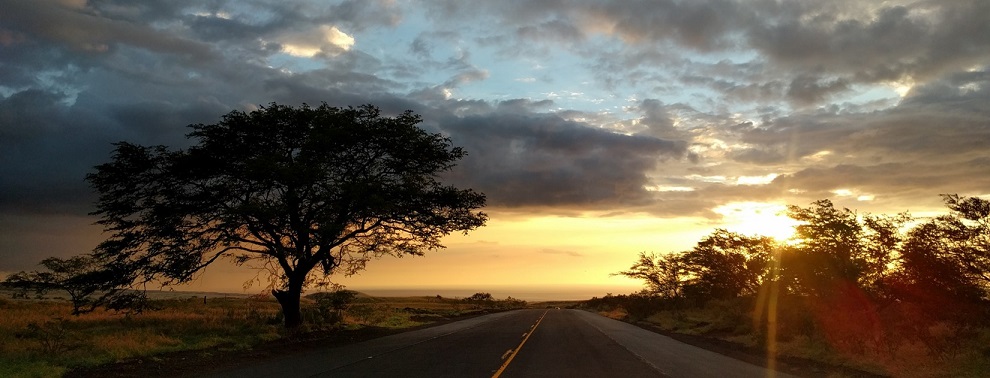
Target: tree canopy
x: 874, y: 287
x: 949, y: 255
x: 306, y: 192
x: 835, y: 252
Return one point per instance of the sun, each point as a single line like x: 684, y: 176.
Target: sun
x: 757, y: 218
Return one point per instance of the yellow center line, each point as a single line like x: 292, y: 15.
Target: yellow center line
x: 506, y: 354
x: 516, y: 351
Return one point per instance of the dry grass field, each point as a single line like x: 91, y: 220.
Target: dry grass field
x: 39, y: 338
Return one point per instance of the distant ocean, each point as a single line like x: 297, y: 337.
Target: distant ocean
x: 502, y: 292
x: 526, y: 293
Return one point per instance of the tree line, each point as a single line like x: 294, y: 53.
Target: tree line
x: 835, y: 250
x: 862, y: 281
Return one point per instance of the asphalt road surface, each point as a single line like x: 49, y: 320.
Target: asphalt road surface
x: 522, y: 343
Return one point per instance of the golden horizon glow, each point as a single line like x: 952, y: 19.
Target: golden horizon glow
x: 758, y: 218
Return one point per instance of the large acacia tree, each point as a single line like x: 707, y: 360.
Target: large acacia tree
x: 305, y: 191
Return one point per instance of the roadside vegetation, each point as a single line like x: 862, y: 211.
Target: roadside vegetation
x: 889, y: 295
x: 40, y: 337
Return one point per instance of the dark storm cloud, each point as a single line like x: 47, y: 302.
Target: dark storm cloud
x: 542, y: 160
x: 522, y: 106
x: 657, y: 119
x: 809, y: 51
x: 47, y: 146
x: 933, y: 142
x: 25, y: 108
x: 918, y: 40
x: 810, y: 90
x: 829, y: 46
x: 699, y: 24
x: 762, y: 156
x: 44, y: 153
x: 81, y: 31
x: 740, y: 91
x: 703, y: 25
x: 946, y: 118
x: 912, y: 183
x: 554, y: 30
x: 215, y: 21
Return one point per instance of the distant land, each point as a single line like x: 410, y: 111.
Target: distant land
x: 527, y: 293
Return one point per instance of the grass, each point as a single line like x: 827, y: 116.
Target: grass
x: 40, y: 338
x: 732, y: 320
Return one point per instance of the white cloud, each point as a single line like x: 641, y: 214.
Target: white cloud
x: 325, y: 38
x: 756, y: 180
x: 706, y: 178
x: 668, y: 188
x: 843, y: 192
x: 818, y: 156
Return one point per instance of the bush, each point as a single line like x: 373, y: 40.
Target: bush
x: 53, y: 336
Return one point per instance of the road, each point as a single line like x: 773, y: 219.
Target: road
x: 514, y: 344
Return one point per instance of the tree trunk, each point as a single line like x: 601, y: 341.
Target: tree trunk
x: 289, y: 300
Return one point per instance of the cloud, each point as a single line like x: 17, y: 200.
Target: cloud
x: 78, y: 29
x: 48, y: 146
x: 43, y: 154
x: 914, y: 185
x: 943, y: 119
x: 541, y: 160
x: 886, y: 43
x: 657, y: 119
x: 809, y: 90
x: 808, y: 51
x: 323, y: 39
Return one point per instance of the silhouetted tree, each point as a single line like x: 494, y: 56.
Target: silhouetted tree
x: 854, y: 281
x: 829, y: 249
x: 72, y: 275
x: 727, y: 264
x: 950, y: 254
x: 881, y: 242
x: 663, y: 274
x: 296, y: 189
x: 481, y: 297
x: 839, y: 247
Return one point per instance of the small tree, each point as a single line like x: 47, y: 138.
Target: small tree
x: 330, y: 306
x: 294, y: 189
x: 882, y: 241
x: 481, y: 300
x: 662, y: 274
x: 72, y: 275
x: 829, y: 250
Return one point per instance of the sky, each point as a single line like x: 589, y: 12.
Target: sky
x: 597, y: 129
